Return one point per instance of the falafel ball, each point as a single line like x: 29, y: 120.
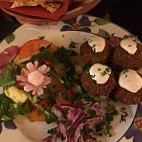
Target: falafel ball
x: 129, y: 90
x: 96, y: 50
x: 99, y: 80
x: 128, y: 55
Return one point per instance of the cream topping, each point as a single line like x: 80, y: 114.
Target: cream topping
x: 97, y: 43
x: 129, y: 45
x: 100, y: 73
x: 130, y: 80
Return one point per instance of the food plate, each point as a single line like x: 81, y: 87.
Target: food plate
x: 78, y: 30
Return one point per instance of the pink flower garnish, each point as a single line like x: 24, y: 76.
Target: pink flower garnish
x: 34, y: 78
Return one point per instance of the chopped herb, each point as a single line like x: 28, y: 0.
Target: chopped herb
x: 106, y: 123
x: 63, y: 35
x: 129, y: 45
x: 7, y: 110
x: 90, y: 41
x: 91, y: 76
x: 86, y: 109
x: 94, y: 45
x: 68, y: 133
x: 91, y: 113
x: 124, y: 114
x: 52, y: 131
x: 95, y: 53
x: 72, y: 44
x: 41, y: 37
x: 106, y: 71
x: 131, y: 36
x: 83, y: 121
x: 126, y: 75
x: 125, y: 71
x: 112, y: 34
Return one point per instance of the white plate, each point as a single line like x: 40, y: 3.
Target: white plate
x: 36, y: 131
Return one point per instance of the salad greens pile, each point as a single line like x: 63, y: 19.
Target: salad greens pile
x: 78, y: 101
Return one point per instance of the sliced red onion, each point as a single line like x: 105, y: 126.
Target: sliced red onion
x: 78, y: 132
x: 97, y: 118
x: 60, y: 110
x: 89, y: 139
x: 69, y: 106
x: 48, y: 139
x: 78, y: 120
x: 72, y: 114
x: 63, y: 129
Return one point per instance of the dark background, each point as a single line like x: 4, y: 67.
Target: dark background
x: 126, y: 13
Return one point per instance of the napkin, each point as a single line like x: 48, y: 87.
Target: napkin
x: 37, y: 10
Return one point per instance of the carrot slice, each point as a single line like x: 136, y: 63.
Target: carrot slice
x: 36, y: 114
x: 32, y: 47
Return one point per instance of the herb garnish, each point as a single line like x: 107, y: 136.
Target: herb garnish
x: 124, y: 114
x: 125, y: 71
x: 95, y: 53
x: 52, y: 131
x: 72, y: 44
x: 131, y: 36
x: 41, y: 37
x: 90, y: 41
x: 112, y: 34
x: 108, y: 118
x: 106, y: 71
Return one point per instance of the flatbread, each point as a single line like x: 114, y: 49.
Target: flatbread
x: 50, y: 5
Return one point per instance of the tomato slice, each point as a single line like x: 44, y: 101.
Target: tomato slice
x: 32, y: 47
x: 60, y: 100
x: 36, y: 114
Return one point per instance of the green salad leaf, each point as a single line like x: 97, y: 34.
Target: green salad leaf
x: 20, y: 109
x: 101, y: 21
x: 7, y: 111
x: 10, y: 38
x: 9, y: 77
x: 104, y: 33
x: 1, y: 79
x: 50, y: 116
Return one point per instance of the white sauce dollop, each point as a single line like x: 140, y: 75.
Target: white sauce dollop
x: 97, y: 43
x: 130, y: 80
x: 100, y: 73
x: 129, y: 45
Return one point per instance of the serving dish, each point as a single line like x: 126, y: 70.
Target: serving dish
x: 65, y: 32
x: 83, y: 8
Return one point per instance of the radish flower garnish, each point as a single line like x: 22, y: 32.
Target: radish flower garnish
x: 34, y: 78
